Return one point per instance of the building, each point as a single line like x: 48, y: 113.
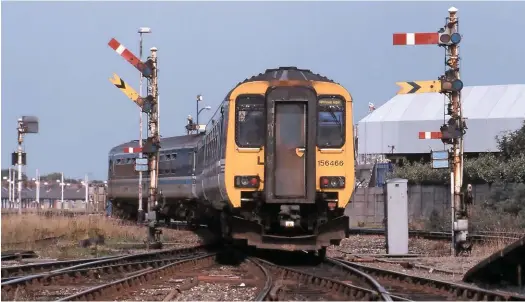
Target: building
x: 51, y: 195
x: 392, y: 130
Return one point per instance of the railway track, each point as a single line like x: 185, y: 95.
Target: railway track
x: 160, y: 283
x: 17, y: 271
x: 110, y: 266
x: 479, y: 236
x: 306, y: 283
x: 404, y: 287
x: 164, y: 275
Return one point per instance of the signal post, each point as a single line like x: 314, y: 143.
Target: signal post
x: 452, y: 132
x: 149, y: 105
x: 26, y: 124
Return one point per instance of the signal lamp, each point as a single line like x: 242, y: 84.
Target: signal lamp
x: 451, y: 85
x: 455, y: 38
x: 444, y: 38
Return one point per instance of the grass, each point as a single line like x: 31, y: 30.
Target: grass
x: 21, y: 232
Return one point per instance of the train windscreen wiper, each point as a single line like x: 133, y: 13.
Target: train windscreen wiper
x: 332, y: 113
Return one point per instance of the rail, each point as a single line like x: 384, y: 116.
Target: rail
x: 18, y: 271
x: 479, y: 236
x: 458, y: 291
x: 69, y: 270
x: 341, y: 289
x: 105, y: 290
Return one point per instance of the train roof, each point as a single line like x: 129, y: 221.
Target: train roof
x: 290, y: 73
x: 179, y: 142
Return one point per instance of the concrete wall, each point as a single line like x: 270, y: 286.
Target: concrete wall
x: 367, y: 204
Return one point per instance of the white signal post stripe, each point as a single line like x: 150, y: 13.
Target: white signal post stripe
x: 411, y: 38
x: 427, y: 134
x: 120, y: 49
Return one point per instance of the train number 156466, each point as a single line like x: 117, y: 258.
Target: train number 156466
x: 336, y: 163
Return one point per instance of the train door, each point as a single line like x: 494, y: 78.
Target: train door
x: 290, y: 147
x: 193, y: 155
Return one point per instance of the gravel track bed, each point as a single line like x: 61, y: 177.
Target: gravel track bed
x: 329, y: 271
x: 300, y: 292
x: 218, y: 292
x: 215, y: 283
x: 432, y: 254
x: 233, y: 288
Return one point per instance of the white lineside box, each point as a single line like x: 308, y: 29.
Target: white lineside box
x: 396, y: 214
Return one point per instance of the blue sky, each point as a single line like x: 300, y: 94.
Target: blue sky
x: 56, y: 62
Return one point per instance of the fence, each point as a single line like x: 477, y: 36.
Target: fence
x: 367, y: 204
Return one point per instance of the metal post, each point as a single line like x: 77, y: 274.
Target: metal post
x: 452, y: 215
x: 13, y: 199
x: 154, y: 135
x: 9, y: 180
x: 199, y: 97
x: 37, y: 189
x: 62, y: 191
x: 459, y: 216
x: 140, y: 210
x: 19, y: 163
x: 86, y: 194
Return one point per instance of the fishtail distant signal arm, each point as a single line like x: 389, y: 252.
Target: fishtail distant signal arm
x: 126, y: 89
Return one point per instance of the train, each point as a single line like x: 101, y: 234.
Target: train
x: 273, y: 169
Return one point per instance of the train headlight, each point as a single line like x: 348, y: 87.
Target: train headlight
x: 251, y: 181
x: 332, y: 182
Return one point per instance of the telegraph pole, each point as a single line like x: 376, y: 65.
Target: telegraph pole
x: 452, y: 132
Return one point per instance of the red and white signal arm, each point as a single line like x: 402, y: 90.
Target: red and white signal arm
x: 132, y: 150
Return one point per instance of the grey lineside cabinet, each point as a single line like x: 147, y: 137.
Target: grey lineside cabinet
x: 396, y: 216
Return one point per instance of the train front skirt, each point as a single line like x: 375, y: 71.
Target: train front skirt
x: 329, y: 233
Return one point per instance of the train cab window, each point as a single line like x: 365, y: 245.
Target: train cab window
x: 168, y: 156
x: 331, y: 123
x: 250, y: 125
x: 173, y: 155
x: 118, y: 161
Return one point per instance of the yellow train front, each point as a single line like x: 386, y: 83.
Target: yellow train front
x: 289, y: 161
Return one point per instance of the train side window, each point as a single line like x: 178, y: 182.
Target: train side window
x: 330, y: 122
x: 190, y: 159
x: 250, y: 125
x: 110, y: 167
